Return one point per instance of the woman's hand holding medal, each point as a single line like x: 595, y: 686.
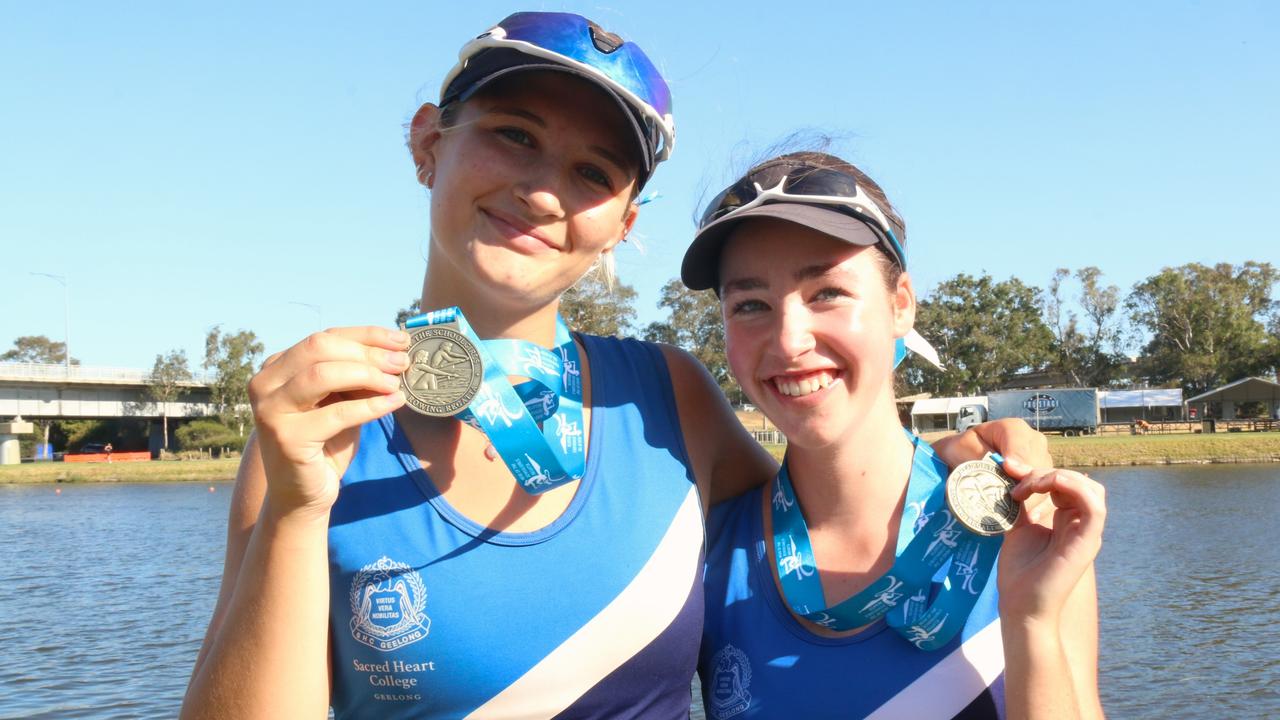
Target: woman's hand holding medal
x: 1044, y: 556
x: 309, y: 403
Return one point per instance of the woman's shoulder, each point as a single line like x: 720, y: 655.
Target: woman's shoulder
x: 733, y: 521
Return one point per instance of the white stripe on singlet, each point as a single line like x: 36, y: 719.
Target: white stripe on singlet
x: 622, y: 629
x: 948, y: 687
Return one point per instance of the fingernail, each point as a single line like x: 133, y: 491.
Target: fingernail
x: 1015, y: 464
x: 391, y: 381
x: 400, y: 337
x: 398, y: 359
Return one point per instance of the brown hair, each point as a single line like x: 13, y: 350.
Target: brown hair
x: 890, y: 269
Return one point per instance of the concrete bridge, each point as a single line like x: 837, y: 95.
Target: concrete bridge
x: 33, y: 391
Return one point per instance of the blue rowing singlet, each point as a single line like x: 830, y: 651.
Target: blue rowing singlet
x: 596, y: 615
x: 758, y: 661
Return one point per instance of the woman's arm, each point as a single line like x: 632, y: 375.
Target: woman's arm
x: 246, y: 504
x: 726, y: 460
x: 266, y: 651
x: 1048, y: 601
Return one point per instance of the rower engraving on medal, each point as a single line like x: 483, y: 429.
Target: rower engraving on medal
x: 444, y: 374
x: 978, y: 496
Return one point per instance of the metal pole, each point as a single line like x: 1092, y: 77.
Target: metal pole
x: 66, y: 325
x: 66, y: 317
x: 314, y: 308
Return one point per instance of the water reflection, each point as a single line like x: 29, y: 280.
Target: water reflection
x: 104, y: 594
x: 105, y: 591
x: 1186, y: 582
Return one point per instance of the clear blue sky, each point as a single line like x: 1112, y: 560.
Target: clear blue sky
x: 186, y: 165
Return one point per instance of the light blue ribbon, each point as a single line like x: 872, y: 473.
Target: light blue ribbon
x: 926, y: 543
x: 540, y: 458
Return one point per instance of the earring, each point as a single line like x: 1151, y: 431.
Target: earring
x: 431, y: 178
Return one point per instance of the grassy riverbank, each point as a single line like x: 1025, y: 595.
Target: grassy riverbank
x: 1067, y: 452
x: 1155, y: 449
x: 1165, y: 449
x: 155, y: 471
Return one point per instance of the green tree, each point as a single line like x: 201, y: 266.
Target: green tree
x: 694, y: 324
x: 37, y: 349
x: 1206, y: 324
x: 1068, y: 341
x: 166, y: 384
x: 984, y: 330
x: 404, y: 314
x: 209, y: 435
x: 232, y: 358
x: 590, y: 306
x: 1085, y: 350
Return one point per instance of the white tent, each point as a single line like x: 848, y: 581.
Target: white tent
x: 1148, y: 398
x: 1146, y: 404
x: 933, y: 414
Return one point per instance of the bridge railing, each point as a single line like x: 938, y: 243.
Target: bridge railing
x: 85, y: 373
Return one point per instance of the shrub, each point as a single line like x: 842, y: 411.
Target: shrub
x: 209, y: 434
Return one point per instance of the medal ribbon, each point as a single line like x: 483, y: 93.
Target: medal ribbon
x: 540, y: 458
x: 925, y: 544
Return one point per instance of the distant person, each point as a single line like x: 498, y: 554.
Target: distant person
x: 377, y: 559
x: 849, y: 586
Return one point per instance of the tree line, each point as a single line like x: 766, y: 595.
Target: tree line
x: 1193, y: 326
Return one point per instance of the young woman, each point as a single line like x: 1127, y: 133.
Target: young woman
x: 539, y: 551
x: 820, y: 600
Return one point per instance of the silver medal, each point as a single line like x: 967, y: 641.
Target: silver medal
x: 444, y: 373
x: 978, y: 496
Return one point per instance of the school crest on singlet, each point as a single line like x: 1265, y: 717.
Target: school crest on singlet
x: 388, y: 605
x: 730, y: 679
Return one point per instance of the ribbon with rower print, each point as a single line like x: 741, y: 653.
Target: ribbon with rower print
x: 926, y: 616
x: 536, y: 426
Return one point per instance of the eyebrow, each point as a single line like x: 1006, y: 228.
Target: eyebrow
x: 807, y: 272
x: 741, y: 284
x: 810, y: 272
x: 612, y: 157
x: 520, y: 112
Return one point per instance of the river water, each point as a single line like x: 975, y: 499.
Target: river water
x: 105, y: 591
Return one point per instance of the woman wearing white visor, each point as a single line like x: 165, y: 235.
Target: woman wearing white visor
x: 859, y: 583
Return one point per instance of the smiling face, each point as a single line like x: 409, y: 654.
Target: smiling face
x: 810, y: 328
x: 531, y: 182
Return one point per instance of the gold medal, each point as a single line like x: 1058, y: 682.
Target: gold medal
x: 444, y: 373
x: 978, y: 496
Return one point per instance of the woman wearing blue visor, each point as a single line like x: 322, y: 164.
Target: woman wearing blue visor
x: 862, y: 582
x: 487, y: 515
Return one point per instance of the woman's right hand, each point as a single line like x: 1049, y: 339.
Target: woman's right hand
x: 309, y: 403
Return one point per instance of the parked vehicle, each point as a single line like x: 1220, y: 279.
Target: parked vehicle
x: 1070, y: 411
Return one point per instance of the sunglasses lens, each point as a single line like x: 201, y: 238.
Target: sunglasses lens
x: 573, y: 37
x: 821, y: 181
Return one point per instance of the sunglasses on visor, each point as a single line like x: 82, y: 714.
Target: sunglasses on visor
x: 576, y: 42
x: 805, y: 184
